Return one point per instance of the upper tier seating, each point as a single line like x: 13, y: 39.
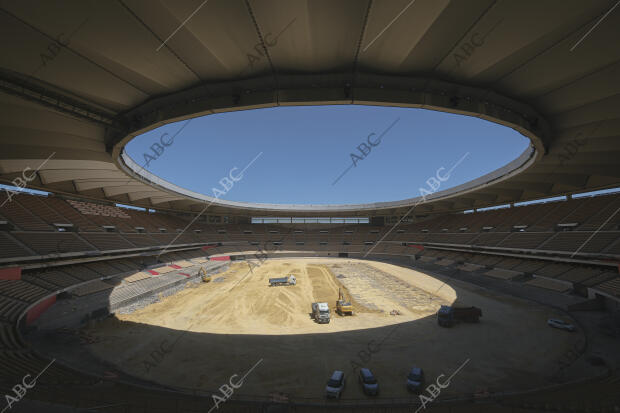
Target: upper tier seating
x: 9, y: 248
x: 34, y: 218
x: 18, y: 216
x: 88, y: 208
x: 45, y: 243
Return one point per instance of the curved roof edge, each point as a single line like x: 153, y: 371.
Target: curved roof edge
x: 512, y: 168
x: 372, y: 89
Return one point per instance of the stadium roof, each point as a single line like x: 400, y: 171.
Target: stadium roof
x: 80, y: 79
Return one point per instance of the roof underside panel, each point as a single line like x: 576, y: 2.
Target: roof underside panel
x: 79, y: 78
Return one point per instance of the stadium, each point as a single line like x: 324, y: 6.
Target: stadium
x: 127, y: 287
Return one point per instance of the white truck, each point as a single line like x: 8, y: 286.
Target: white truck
x: 320, y: 313
x: 290, y: 280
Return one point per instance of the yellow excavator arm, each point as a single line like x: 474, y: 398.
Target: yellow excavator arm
x: 203, y: 273
x: 342, y: 306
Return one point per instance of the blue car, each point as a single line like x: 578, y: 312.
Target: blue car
x: 415, y: 379
x: 368, y: 382
x: 335, y: 385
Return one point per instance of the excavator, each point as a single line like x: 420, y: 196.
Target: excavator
x: 343, y: 307
x: 205, y: 277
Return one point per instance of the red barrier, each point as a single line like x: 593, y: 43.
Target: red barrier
x: 206, y: 247
x: 152, y: 272
x: 36, y: 311
x: 420, y: 247
x: 222, y: 258
x: 177, y: 267
x: 14, y: 273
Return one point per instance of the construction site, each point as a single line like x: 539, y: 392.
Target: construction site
x: 209, y: 330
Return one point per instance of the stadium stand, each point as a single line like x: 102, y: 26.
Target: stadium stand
x: 522, y: 245
x: 542, y: 235
x: 10, y: 248
x: 50, y: 243
x: 20, y: 217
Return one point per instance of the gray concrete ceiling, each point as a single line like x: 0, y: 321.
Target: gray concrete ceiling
x: 79, y: 79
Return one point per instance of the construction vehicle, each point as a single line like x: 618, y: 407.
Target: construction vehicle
x: 290, y: 280
x: 343, y: 307
x: 447, y: 316
x: 203, y: 274
x: 320, y: 313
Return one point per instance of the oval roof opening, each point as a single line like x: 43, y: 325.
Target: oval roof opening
x: 322, y: 155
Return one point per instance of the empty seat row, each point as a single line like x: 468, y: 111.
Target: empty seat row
x: 22, y: 290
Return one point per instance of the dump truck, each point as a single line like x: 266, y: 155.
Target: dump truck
x: 343, y: 307
x: 447, y: 315
x: 289, y: 280
x: 320, y: 313
x: 203, y: 274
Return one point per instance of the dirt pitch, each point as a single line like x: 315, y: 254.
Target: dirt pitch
x: 201, y: 336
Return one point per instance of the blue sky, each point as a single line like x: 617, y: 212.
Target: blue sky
x: 300, y: 151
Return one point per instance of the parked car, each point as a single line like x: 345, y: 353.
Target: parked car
x: 562, y: 325
x: 368, y: 382
x: 335, y: 385
x: 415, y: 379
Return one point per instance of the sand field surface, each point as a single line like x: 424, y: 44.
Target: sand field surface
x: 201, y: 336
